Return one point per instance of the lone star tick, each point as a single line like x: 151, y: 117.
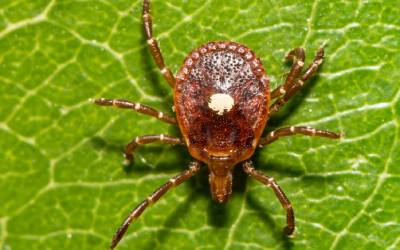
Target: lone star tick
x: 222, y: 103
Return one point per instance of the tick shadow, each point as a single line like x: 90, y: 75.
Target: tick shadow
x: 151, y: 71
x: 137, y: 165
x: 217, y: 213
x: 278, y: 119
x: 263, y: 216
x: 262, y: 212
x: 181, y: 211
x: 172, y: 221
x: 273, y: 167
x: 100, y: 144
x: 270, y: 169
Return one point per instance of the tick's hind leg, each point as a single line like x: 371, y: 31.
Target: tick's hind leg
x: 145, y: 139
x: 290, y: 131
x: 141, y: 108
x: 194, y: 167
x: 299, y: 82
x: 270, y: 182
x: 297, y: 56
x: 155, y: 50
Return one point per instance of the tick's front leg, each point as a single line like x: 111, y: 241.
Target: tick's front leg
x: 297, y: 56
x: 154, y: 49
x: 299, y: 82
x: 270, y: 182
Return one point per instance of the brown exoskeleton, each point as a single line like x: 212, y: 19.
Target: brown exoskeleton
x: 222, y: 102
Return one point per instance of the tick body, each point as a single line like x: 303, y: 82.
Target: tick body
x: 222, y: 102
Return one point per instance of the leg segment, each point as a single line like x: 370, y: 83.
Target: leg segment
x: 137, y: 107
x: 289, y: 131
x: 297, y: 56
x: 174, y: 181
x: 145, y: 139
x: 299, y: 83
x: 270, y: 182
x: 155, y: 50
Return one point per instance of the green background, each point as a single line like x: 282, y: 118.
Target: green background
x: 62, y: 184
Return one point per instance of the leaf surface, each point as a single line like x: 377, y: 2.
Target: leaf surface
x: 62, y: 182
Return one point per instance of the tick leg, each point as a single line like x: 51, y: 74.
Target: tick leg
x: 290, y: 131
x: 155, y: 50
x: 145, y: 139
x: 299, y: 83
x: 173, y: 182
x: 270, y: 182
x: 297, y: 56
x: 137, y: 107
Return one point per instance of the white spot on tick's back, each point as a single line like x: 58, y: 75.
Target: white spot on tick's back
x: 220, y: 103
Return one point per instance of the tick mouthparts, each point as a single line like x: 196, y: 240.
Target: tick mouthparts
x: 221, y: 186
x: 220, y: 178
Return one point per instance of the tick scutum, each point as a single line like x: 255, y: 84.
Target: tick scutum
x: 221, y: 104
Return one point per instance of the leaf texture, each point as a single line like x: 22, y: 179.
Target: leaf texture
x: 62, y: 182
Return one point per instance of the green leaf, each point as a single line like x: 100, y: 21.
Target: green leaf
x: 62, y: 184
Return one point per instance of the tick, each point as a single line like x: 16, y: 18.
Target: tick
x: 222, y: 102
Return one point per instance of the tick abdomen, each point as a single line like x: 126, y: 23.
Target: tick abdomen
x: 221, y: 99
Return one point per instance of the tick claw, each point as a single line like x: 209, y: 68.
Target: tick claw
x: 128, y: 159
x: 289, y: 232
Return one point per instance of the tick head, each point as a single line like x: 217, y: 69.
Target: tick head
x: 220, y: 177
x: 225, y: 155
